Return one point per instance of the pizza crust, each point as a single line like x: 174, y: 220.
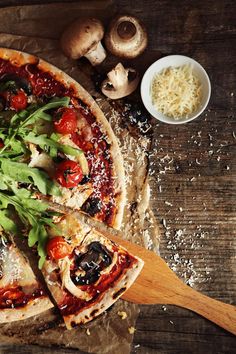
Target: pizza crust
x: 20, y: 58
x: 34, y: 307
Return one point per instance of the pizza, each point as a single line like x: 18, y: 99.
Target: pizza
x: 21, y: 295
x: 58, y: 154
x: 86, y: 272
x: 53, y: 131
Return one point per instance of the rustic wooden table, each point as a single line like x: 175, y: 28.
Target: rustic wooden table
x: 193, y: 173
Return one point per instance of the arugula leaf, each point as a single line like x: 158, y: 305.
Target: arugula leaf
x: 32, y: 213
x: 30, y: 116
x: 21, y: 172
x: 43, y: 141
x: 3, y: 185
x: 6, y: 223
x: 8, y: 183
x: 40, y: 112
x: 38, y: 234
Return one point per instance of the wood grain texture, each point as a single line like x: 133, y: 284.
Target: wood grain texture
x: 164, y: 287
x: 198, y: 182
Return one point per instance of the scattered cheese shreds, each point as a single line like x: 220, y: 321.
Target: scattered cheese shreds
x: 122, y: 314
x: 131, y: 330
x: 88, y: 332
x: 176, y: 92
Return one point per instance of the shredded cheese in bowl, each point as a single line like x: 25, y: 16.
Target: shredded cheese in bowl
x: 176, y: 92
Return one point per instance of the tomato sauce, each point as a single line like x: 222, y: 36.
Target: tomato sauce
x: 14, y: 297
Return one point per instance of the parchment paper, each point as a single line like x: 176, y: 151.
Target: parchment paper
x: 36, y: 29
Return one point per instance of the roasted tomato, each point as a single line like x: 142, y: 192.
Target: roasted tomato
x: 58, y: 248
x: 18, y: 101
x: 1, y: 144
x: 65, y: 120
x: 69, y: 174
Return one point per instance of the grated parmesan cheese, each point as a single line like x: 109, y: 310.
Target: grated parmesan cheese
x: 176, y: 92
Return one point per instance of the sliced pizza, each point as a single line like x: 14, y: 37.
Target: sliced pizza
x: 21, y: 295
x: 56, y: 140
x: 86, y: 272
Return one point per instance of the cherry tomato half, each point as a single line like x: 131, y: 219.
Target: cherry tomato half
x: 58, y: 248
x: 18, y: 101
x: 65, y: 120
x: 1, y: 144
x: 68, y: 174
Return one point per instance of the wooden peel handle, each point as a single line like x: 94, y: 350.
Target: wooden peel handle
x: 224, y: 315
x: 157, y: 284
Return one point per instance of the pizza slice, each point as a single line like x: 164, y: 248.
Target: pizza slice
x: 86, y: 272
x: 21, y: 295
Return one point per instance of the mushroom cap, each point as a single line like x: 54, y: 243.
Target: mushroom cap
x: 126, y: 37
x: 81, y: 37
x: 121, y: 82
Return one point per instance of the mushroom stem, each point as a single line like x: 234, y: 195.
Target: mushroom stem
x: 118, y: 76
x: 120, y: 82
x: 96, y: 55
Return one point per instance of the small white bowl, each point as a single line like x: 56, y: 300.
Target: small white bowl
x: 174, y: 60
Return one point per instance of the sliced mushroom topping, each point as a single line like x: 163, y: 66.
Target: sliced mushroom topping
x: 126, y: 37
x: 121, y: 82
x: 83, y: 38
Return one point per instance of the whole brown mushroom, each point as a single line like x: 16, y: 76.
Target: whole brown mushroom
x: 120, y: 82
x: 126, y: 37
x: 83, y: 39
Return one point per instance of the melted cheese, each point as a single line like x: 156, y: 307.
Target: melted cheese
x: 41, y: 160
x: 14, y: 268
x: 176, y: 92
x: 75, y: 197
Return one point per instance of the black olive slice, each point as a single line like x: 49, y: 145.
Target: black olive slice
x: 85, y: 180
x: 92, y: 206
x: 105, y: 254
x: 88, y: 260
x: 92, y: 262
x: 91, y: 277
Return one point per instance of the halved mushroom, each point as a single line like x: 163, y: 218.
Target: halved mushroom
x: 121, y: 82
x: 83, y: 38
x: 126, y: 37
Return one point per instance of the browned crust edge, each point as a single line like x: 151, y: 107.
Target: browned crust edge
x: 34, y: 307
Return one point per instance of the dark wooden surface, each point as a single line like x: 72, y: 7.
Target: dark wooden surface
x: 193, y: 174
